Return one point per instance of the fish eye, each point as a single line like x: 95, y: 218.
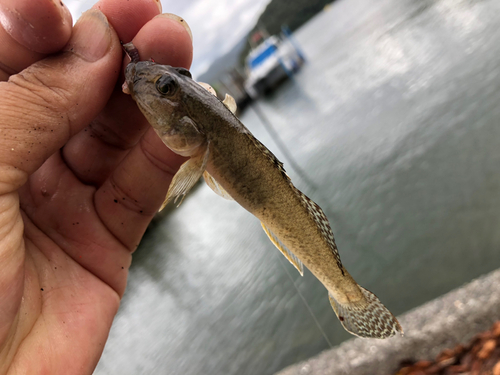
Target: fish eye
x: 165, y: 85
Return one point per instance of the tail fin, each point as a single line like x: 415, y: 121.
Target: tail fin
x: 370, y: 319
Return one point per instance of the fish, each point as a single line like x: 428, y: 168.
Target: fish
x: 194, y: 123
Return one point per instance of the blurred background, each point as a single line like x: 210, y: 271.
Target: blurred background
x: 390, y: 112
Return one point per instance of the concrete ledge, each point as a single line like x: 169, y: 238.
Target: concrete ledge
x: 442, y: 323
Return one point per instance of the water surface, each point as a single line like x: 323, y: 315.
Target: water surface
x: 396, y: 119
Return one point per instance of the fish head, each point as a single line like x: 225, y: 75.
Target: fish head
x: 163, y: 94
x: 157, y: 89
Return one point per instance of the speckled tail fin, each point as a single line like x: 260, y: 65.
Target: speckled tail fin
x: 369, y: 319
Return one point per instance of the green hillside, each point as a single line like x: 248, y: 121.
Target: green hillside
x: 293, y: 13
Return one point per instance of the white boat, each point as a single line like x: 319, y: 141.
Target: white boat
x: 269, y: 63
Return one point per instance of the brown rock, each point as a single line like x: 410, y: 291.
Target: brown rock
x: 445, y: 355
x: 481, y: 356
x: 476, y: 368
x: 459, y: 349
x: 421, y: 365
x: 467, y: 360
x: 496, y: 369
x: 457, y: 369
x: 487, y: 348
x: 496, y: 329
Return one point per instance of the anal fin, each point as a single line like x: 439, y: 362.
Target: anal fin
x: 292, y: 258
x: 216, y: 187
x: 188, y: 174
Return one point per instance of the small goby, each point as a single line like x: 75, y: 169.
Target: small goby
x: 194, y: 123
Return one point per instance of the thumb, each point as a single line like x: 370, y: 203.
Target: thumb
x: 50, y: 101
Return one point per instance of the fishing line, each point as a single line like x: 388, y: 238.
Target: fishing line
x: 281, y: 145
x: 314, y: 189
x: 305, y: 302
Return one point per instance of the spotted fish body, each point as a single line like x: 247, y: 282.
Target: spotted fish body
x: 193, y: 122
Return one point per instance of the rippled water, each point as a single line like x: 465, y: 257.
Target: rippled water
x: 396, y: 118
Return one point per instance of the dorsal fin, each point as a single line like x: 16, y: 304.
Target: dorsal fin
x: 261, y: 147
x: 324, y: 226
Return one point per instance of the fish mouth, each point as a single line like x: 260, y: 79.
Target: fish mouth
x: 130, y: 79
x: 135, y: 72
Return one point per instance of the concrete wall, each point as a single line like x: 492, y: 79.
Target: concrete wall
x: 442, y: 323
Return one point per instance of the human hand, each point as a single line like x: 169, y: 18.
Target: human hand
x: 81, y: 175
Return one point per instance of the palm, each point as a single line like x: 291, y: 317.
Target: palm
x: 70, y: 217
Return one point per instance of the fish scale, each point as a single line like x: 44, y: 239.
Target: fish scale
x: 312, y: 207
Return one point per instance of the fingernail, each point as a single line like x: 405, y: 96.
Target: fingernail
x: 182, y: 21
x: 91, y: 38
x: 42, y: 26
x: 158, y: 3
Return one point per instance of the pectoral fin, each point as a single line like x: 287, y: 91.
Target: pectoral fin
x: 292, y: 258
x: 230, y: 103
x: 216, y: 187
x: 209, y: 88
x: 187, y: 175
